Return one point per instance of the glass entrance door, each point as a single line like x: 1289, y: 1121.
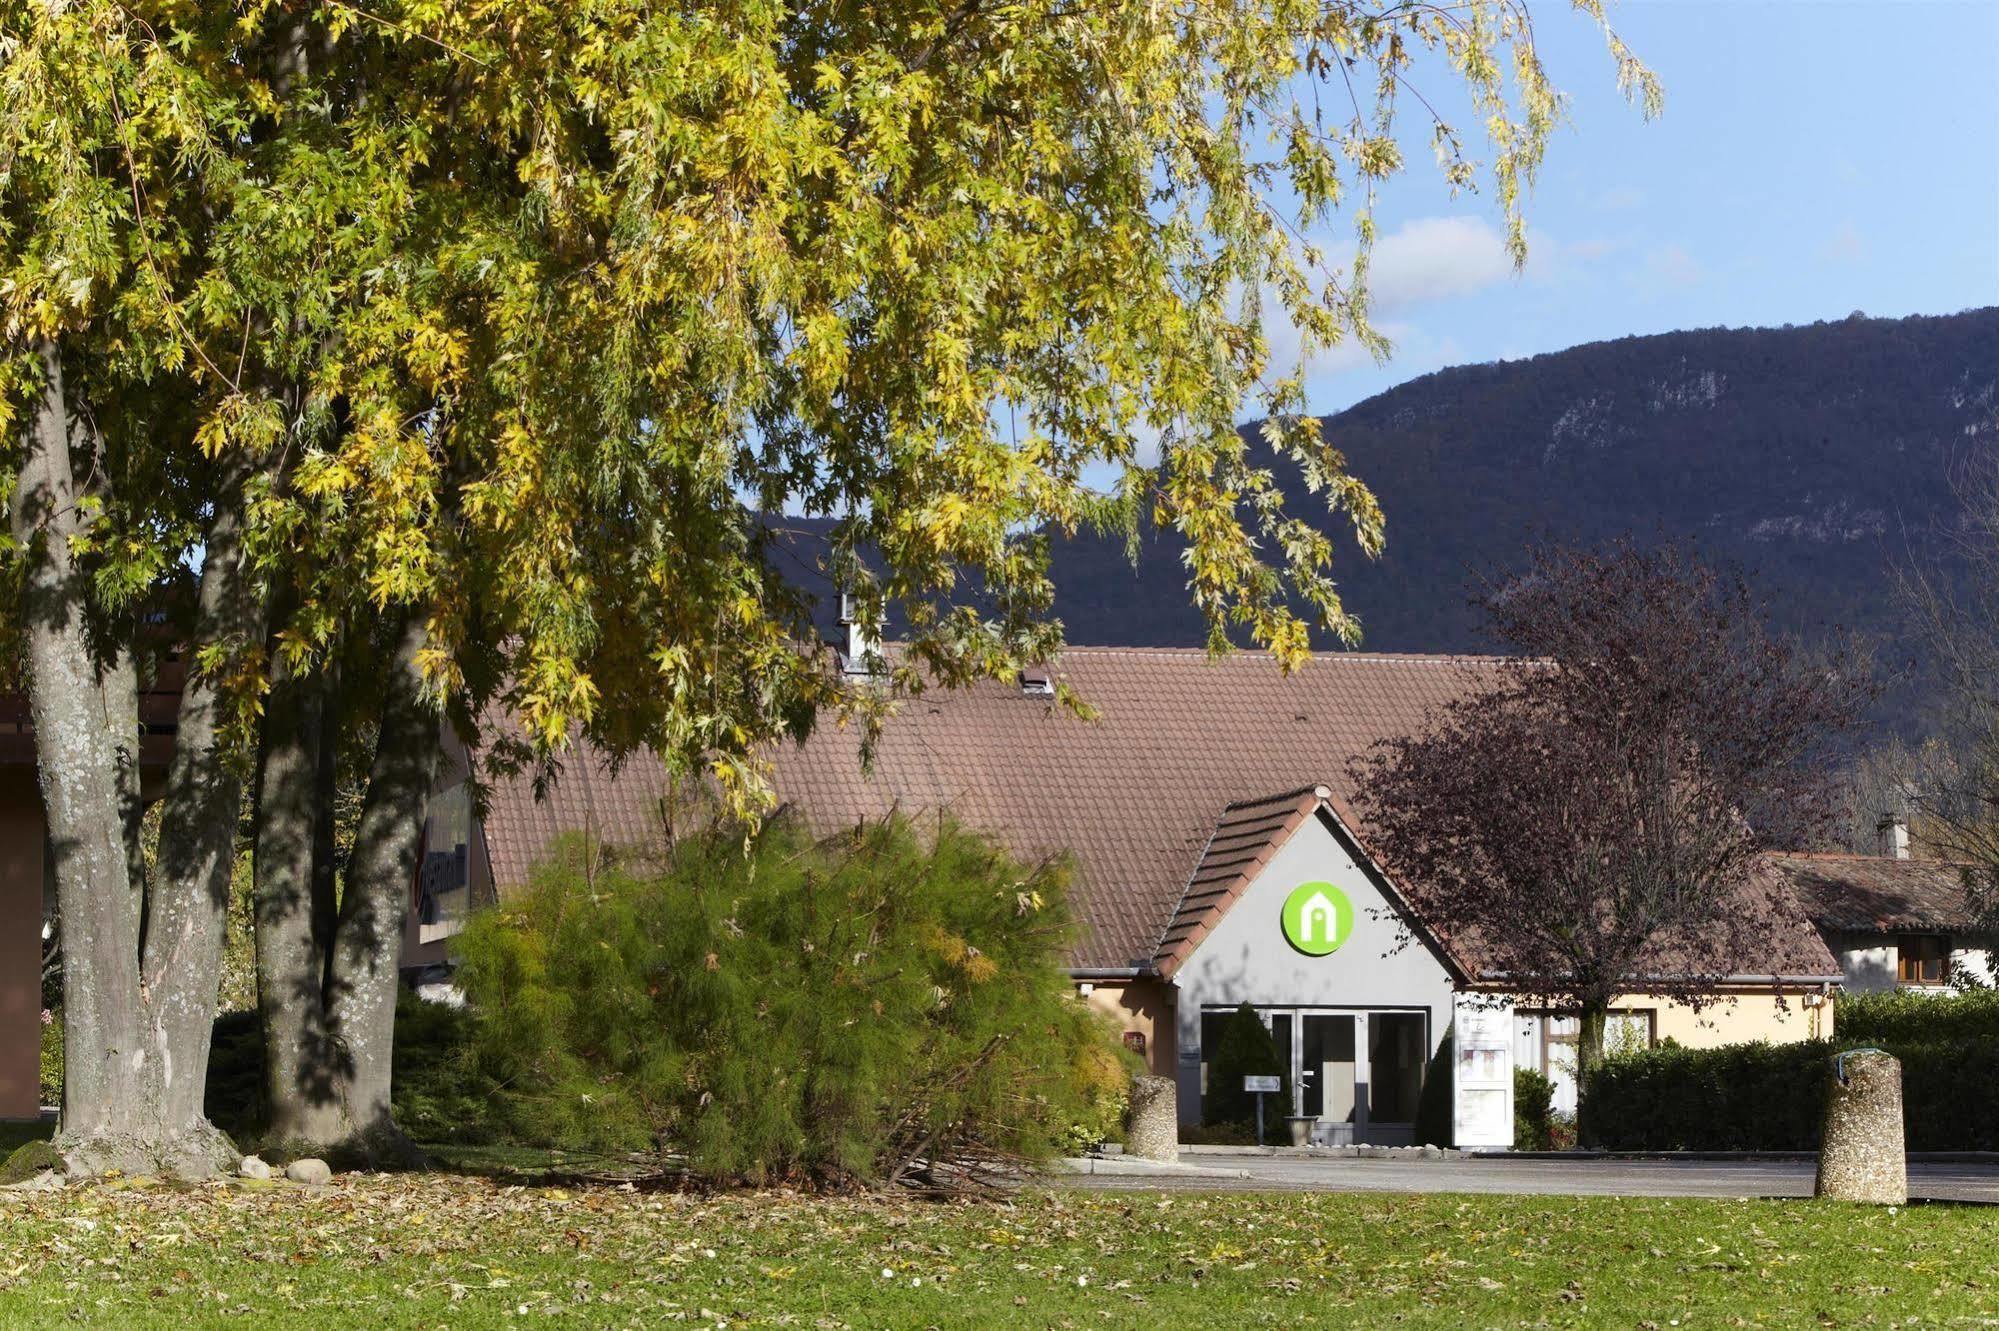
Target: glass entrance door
x: 1396, y: 1055
x: 1325, y: 1074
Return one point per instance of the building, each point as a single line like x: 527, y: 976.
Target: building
x: 1894, y: 922
x: 1217, y: 862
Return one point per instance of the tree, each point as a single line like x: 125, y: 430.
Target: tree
x: 1588, y: 822
x: 1244, y: 1048
x: 1948, y: 785
x: 471, y: 347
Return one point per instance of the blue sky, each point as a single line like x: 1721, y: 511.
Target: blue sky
x: 1815, y: 157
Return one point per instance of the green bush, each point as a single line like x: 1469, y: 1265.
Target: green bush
x: 1735, y: 1097
x: 1244, y: 1049
x: 51, y: 1056
x: 1100, y: 1116
x: 1763, y: 1097
x: 785, y: 1009
x: 1220, y: 1134
x: 1533, y: 1111
x: 1900, y: 1016
x: 438, y: 1087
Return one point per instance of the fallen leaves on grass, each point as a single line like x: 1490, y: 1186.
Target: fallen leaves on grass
x: 432, y: 1251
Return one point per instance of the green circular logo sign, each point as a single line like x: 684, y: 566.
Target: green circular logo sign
x: 1317, y: 918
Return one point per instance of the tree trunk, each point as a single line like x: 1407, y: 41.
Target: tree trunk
x: 334, y: 1099
x: 86, y: 760
x: 200, y: 808
x: 140, y: 959
x: 294, y: 908
x: 1589, y: 1053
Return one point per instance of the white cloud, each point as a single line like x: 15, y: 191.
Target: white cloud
x: 1618, y: 199
x: 1671, y: 265
x: 1436, y: 258
x: 1844, y: 245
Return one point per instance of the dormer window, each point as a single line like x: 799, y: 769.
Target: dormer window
x: 1037, y: 682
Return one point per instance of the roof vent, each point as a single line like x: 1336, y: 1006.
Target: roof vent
x: 1892, y: 836
x: 1891, y: 831
x: 1037, y: 682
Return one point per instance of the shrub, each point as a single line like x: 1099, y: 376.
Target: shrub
x: 1244, y: 1049
x: 778, y: 1008
x: 1100, y: 1118
x: 439, y: 1090
x: 1533, y: 1110
x: 1762, y: 1097
x: 1899, y: 1016
x: 440, y: 1087
x: 1220, y: 1134
x: 1734, y: 1097
x: 27, y: 1160
x: 52, y: 1056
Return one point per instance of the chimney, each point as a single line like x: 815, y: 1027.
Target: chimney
x: 1892, y: 836
x: 861, y: 644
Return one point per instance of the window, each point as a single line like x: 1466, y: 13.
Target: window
x: 443, y: 883
x: 1922, y: 959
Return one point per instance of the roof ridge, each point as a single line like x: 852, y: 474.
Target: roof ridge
x: 1201, y: 654
x: 1318, y: 788
x: 1927, y: 861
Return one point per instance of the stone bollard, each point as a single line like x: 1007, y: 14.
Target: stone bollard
x: 1862, y: 1157
x: 1154, y: 1133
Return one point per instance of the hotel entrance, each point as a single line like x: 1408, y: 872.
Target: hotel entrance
x: 1356, y: 1074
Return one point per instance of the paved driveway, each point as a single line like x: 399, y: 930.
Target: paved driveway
x: 1613, y: 1178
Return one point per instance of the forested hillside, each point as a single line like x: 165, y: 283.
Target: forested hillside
x: 1815, y: 456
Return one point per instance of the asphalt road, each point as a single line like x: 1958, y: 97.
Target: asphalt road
x: 1576, y: 1178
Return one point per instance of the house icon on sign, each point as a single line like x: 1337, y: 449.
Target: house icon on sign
x: 1316, y: 919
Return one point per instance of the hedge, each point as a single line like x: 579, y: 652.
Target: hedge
x: 1763, y: 1097
x: 1970, y: 1017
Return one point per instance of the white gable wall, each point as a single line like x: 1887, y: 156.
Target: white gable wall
x: 1870, y: 960
x: 1245, y: 958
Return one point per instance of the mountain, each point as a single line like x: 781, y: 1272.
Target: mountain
x: 1816, y: 457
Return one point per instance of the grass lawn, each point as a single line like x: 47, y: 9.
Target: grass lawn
x: 443, y: 1251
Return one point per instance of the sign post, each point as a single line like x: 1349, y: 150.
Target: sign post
x: 1259, y: 1087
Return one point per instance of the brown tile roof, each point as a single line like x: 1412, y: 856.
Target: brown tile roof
x: 1141, y: 797
x: 1787, y: 945
x: 1248, y: 834
x: 1866, y: 893
x: 1134, y: 794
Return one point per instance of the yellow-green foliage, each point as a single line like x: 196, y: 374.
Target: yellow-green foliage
x: 785, y: 1009
x: 501, y: 312
x: 52, y: 1056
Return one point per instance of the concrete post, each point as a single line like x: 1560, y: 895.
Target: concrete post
x: 1862, y: 1157
x: 1155, y: 1120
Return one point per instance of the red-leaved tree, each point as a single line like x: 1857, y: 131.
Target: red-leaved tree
x: 1588, y: 824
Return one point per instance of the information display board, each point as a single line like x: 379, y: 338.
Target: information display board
x: 1482, y: 1113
